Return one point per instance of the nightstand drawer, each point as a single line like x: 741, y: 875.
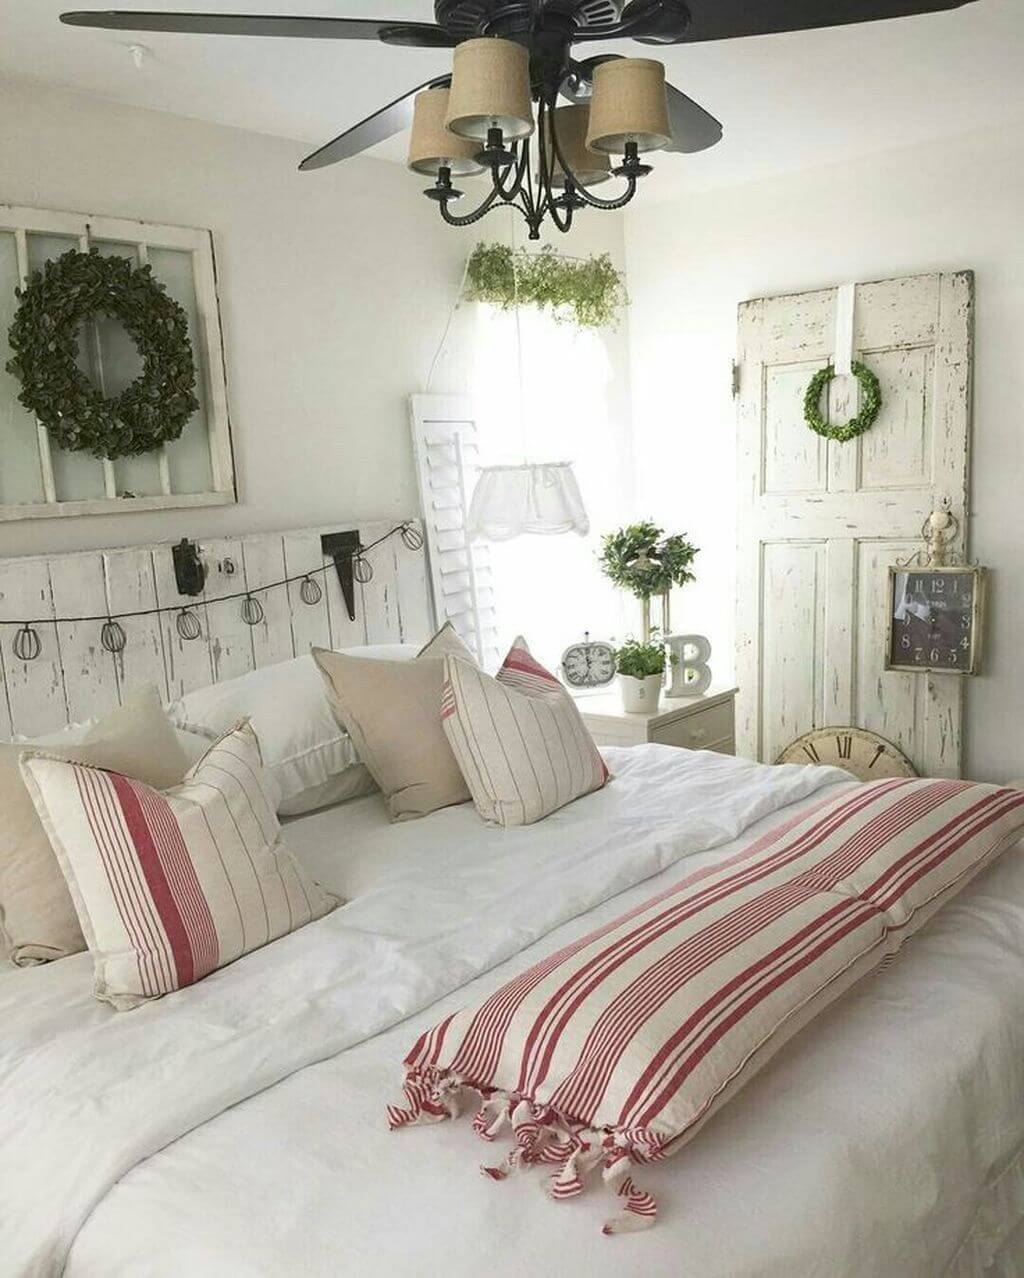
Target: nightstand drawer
x: 704, y: 730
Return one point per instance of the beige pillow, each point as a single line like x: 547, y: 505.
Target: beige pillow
x: 37, y: 918
x: 392, y: 712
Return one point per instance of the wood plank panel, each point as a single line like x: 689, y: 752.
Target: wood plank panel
x: 310, y: 623
x: 264, y: 562
x: 416, y: 614
x: 35, y: 689
x: 231, y: 640
x: 90, y: 673
x: 380, y: 594
x: 130, y: 588
x: 189, y: 662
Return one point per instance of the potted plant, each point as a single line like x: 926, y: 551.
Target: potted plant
x: 641, y: 559
x: 641, y: 671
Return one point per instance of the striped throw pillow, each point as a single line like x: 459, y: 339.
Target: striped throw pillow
x: 169, y: 886
x: 518, y: 738
x: 613, y: 1052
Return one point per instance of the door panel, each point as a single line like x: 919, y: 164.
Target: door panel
x: 795, y: 458
x: 821, y: 522
x: 794, y: 626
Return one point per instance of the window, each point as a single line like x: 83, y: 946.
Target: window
x: 543, y: 394
x: 39, y: 479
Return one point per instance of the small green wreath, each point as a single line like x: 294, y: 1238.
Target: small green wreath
x: 44, y: 337
x: 870, y: 404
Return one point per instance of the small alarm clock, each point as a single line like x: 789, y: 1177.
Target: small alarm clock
x: 590, y: 664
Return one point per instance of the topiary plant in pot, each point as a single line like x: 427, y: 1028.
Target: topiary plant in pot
x: 641, y: 671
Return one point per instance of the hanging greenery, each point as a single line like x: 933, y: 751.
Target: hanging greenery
x: 641, y: 559
x: 44, y: 338
x: 870, y: 404
x: 585, y: 293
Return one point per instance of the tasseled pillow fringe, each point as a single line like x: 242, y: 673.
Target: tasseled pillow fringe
x: 540, y: 1136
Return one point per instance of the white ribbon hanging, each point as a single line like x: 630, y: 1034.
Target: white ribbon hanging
x: 846, y: 305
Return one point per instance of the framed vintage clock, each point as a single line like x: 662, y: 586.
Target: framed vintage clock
x: 935, y: 620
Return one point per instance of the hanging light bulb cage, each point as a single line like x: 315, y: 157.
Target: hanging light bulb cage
x: 412, y: 537
x: 188, y: 625
x: 27, y: 644
x: 252, y: 611
x: 362, y: 570
x: 310, y: 592
x: 113, y: 637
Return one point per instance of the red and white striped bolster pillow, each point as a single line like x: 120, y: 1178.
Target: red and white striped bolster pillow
x: 617, y: 1048
x: 521, y: 744
x: 170, y: 886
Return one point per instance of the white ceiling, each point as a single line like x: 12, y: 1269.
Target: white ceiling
x: 787, y: 102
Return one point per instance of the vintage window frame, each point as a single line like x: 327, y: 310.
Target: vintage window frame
x: 143, y: 236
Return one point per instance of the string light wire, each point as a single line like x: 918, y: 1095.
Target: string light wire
x: 401, y: 529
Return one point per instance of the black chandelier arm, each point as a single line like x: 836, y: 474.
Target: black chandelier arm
x: 573, y: 186
x: 467, y: 219
x: 521, y: 168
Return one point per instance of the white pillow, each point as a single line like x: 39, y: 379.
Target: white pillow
x: 309, y: 759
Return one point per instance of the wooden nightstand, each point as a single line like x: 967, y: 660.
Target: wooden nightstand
x: 698, y: 723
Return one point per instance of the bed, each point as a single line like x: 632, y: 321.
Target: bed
x: 237, y: 1127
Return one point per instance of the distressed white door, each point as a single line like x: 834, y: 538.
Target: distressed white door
x: 820, y: 522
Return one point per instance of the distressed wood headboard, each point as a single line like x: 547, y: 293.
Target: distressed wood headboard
x: 74, y: 678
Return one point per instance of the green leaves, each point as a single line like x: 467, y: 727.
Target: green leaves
x: 640, y: 659
x: 641, y: 559
x: 586, y: 293
x: 870, y: 407
x: 155, y: 408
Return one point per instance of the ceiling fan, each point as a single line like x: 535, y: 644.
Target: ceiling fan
x: 509, y: 54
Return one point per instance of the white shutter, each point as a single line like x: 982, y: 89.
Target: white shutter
x: 444, y: 437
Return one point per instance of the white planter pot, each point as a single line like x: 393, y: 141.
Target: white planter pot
x: 640, y: 695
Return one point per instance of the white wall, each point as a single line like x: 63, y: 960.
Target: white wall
x: 948, y: 206
x: 335, y: 287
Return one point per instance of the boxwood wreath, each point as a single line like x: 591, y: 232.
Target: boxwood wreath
x: 586, y: 293
x: 641, y: 559
x: 870, y: 404
x: 155, y: 408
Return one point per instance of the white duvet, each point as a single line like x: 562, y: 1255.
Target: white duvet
x: 87, y: 1094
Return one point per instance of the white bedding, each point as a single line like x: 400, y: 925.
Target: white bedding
x: 88, y: 1094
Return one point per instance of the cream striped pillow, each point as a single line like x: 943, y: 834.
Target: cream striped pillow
x: 519, y: 740
x: 170, y: 886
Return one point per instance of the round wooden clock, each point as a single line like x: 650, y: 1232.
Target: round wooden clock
x: 866, y: 755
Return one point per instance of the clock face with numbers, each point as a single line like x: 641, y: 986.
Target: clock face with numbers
x: 590, y: 664
x: 866, y: 755
x: 935, y: 617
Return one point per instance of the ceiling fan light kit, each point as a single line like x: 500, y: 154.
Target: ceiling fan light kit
x: 432, y: 145
x: 629, y: 105
x: 510, y: 54
x: 491, y: 90
x: 586, y: 167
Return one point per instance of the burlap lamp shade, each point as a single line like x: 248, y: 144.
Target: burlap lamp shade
x: 432, y: 146
x: 587, y: 167
x: 629, y: 104
x: 490, y: 90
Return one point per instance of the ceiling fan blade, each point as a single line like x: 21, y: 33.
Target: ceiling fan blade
x: 422, y: 35
x: 384, y: 123
x: 727, y: 19
x: 693, y: 128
